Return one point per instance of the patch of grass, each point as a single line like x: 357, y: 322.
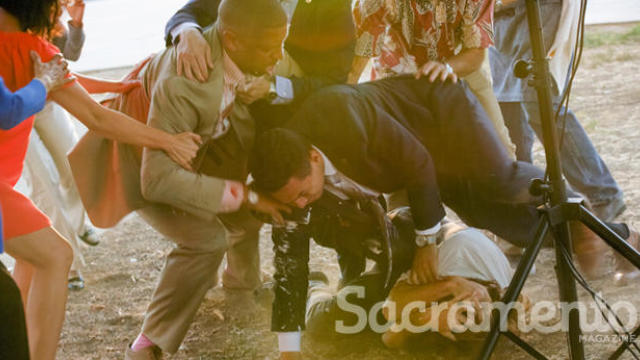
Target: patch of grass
x: 595, y: 39
x: 632, y: 35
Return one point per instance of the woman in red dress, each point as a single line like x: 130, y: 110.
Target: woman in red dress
x: 42, y: 256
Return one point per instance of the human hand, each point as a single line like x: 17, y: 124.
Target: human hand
x: 268, y: 206
x: 290, y: 355
x: 52, y: 74
x: 76, y: 12
x: 183, y: 148
x: 443, y: 323
x: 435, y: 70
x: 471, y: 295
x: 253, y: 90
x: 425, y: 265
x: 194, y: 55
x: 473, y: 290
x: 126, y: 86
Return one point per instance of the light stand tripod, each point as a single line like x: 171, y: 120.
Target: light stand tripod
x: 557, y: 211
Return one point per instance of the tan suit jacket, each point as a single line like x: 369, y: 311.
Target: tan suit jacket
x: 115, y: 179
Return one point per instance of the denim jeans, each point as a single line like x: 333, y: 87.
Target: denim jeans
x: 583, y: 167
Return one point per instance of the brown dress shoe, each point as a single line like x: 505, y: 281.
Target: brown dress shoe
x: 590, y: 251
x: 149, y: 353
x: 626, y: 271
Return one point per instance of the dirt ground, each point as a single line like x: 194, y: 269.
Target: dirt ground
x: 122, y: 271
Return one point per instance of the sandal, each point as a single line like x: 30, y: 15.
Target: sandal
x: 75, y: 283
x: 90, y: 237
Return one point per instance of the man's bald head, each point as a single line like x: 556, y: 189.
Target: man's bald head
x: 252, y: 33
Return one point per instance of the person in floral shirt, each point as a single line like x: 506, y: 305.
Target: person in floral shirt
x: 437, y: 39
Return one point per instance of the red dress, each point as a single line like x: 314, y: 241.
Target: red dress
x: 20, y: 215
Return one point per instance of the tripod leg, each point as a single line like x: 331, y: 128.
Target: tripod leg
x: 568, y: 293
x: 610, y: 237
x: 499, y: 320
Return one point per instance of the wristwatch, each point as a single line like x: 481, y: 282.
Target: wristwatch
x: 424, y: 240
x: 252, y: 197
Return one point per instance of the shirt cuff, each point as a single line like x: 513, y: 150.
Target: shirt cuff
x: 38, y: 96
x: 289, y: 341
x: 38, y: 85
x: 175, y: 32
x: 282, y: 91
x: 232, y: 196
x: 76, y: 34
x: 430, y: 231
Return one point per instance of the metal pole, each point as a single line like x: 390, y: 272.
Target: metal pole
x: 498, y: 320
x: 558, y: 195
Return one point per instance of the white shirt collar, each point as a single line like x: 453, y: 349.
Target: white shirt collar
x: 329, y: 169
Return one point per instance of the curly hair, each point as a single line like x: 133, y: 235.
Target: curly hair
x: 36, y: 16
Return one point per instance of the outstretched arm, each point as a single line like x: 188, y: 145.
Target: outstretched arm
x: 18, y: 106
x: 98, y: 86
x: 182, y: 148
x: 74, y: 38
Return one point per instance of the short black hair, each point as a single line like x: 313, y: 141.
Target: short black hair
x: 251, y: 16
x: 277, y: 156
x: 38, y: 16
x: 322, y: 25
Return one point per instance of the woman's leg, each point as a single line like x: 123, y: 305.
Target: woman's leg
x: 22, y: 274
x: 50, y: 256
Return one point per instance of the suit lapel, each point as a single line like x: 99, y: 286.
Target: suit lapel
x: 240, y: 118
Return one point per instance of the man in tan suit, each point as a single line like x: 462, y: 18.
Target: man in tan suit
x: 193, y: 209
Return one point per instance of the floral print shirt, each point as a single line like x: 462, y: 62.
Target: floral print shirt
x: 402, y: 35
